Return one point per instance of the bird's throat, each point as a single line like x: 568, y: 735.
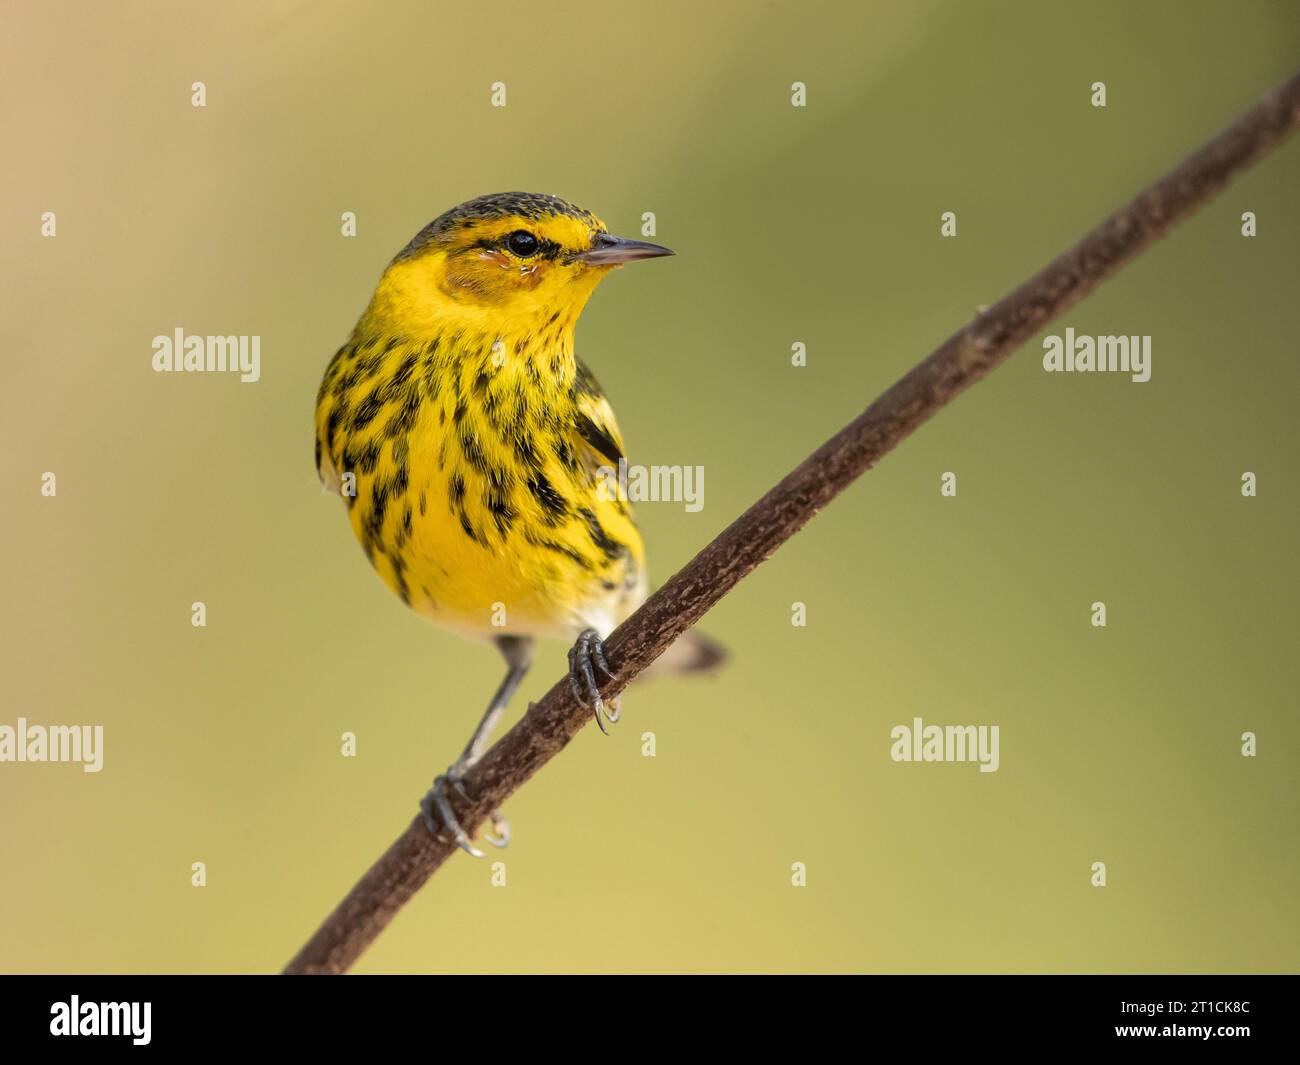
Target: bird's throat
x: 533, y: 338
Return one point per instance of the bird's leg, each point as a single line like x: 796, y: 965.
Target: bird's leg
x: 518, y: 653
x: 585, y: 657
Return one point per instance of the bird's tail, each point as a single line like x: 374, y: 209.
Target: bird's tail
x: 694, y: 652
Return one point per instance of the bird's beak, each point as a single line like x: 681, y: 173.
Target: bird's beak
x: 608, y: 250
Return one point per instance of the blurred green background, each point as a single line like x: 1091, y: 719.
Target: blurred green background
x: 818, y: 225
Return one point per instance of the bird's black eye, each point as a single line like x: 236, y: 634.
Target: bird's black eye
x: 522, y: 243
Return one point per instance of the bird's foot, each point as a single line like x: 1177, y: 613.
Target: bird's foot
x: 585, y: 657
x: 438, y: 814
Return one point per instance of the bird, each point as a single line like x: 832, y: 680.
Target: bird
x: 472, y: 448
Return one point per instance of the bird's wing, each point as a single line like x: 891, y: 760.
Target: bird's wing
x: 595, y: 421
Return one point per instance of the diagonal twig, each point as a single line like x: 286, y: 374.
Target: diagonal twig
x: 964, y: 358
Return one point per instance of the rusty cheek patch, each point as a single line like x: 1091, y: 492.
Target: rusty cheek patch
x: 519, y: 274
x: 492, y: 275
x: 494, y: 257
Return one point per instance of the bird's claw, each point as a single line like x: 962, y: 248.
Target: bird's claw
x: 585, y: 657
x: 438, y: 815
x: 502, y: 829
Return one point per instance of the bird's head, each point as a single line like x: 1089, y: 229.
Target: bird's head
x: 511, y: 256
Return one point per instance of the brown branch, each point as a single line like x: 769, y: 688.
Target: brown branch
x: 959, y: 362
